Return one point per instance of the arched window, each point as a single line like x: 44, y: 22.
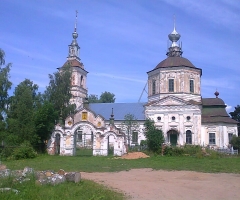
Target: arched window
x: 153, y: 86
x: 81, y: 81
x: 188, y: 137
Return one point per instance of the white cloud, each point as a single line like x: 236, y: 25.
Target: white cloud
x: 228, y: 108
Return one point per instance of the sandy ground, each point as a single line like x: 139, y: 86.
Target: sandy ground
x: 148, y: 184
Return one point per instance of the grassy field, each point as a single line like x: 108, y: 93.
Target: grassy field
x: 89, y: 190
x: 84, y: 190
x: 109, y: 164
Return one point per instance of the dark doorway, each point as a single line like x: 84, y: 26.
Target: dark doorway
x: 173, y: 137
x: 110, y: 145
x: 57, y: 144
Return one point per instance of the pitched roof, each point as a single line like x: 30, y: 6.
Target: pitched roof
x: 213, y: 102
x: 74, y: 63
x: 213, y: 111
x: 119, y: 110
x: 175, y: 62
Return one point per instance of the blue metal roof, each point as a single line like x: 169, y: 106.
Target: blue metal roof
x: 119, y: 110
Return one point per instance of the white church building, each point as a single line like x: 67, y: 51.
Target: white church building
x: 174, y: 103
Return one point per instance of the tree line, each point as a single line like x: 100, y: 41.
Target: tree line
x: 28, y: 117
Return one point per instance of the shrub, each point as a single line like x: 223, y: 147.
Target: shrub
x: 192, y: 150
x: 235, y: 142
x: 154, y: 137
x: 173, y: 151
x: 25, y: 150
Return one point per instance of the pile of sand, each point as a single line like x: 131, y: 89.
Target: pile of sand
x: 134, y: 155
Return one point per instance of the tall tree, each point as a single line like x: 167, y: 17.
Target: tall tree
x: 5, y: 86
x: 130, y: 125
x: 5, y: 83
x: 92, y: 98
x: 45, y: 117
x: 59, y: 92
x: 107, y: 97
x: 2, y: 57
x: 236, y: 115
x: 154, y: 136
x: 21, y: 113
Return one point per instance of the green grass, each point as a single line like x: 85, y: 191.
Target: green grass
x: 89, y: 190
x: 83, y: 190
x: 109, y: 164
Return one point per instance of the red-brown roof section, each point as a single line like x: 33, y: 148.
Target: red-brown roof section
x: 74, y: 63
x: 174, y: 62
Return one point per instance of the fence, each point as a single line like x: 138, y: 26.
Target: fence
x: 228, y: 151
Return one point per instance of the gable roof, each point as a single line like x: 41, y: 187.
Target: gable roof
x: 119, y: 110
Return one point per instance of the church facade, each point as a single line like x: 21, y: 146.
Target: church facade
x: 174, y: 103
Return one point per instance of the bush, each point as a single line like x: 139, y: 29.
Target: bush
x: 154, y: 137
x: 192, y: 150
x: 173, y: 151
x: 25, y: 150
x: 235, y: 142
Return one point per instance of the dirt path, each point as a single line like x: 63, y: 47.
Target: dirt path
x: 148, y: 184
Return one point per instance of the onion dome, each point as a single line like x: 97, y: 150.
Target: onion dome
x: 174, y: 37
x: 174, y: 50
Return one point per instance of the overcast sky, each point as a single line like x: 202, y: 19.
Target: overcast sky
x: 121, y: 40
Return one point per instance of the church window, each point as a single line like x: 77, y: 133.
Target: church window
x: 79, y: 136
x: 211, y: 138
x: 159, y: 118
x: 81, y: 81
x: 92, y: 137
x: 188, y: 118
x: 191, y: 86
x: 153, y: 86
x: 188, y: 137
x: 171, y: 85
x: 173, y: 118
x: 230, y: 135
x: 135, y: 137
x: 84, y: 115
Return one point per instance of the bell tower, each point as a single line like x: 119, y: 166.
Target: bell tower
x: 175, y: 75
x: 79, y: 74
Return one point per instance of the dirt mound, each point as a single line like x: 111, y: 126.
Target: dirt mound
x: 134, y: 155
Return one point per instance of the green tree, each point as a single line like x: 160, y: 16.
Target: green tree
x: 92, y: 98
x: 45, y: 117
x: 5, y: 84
x: 130, y: 125
x: 236, y: 115
x: 21, y: 112
x: 2, y: 57
x: 59, y: 92
x: 107, y: 97
x: 235, y: 142
x: 154, y: 136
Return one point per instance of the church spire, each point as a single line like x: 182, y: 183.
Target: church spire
x: 73, y: 52
x: 174, y: 49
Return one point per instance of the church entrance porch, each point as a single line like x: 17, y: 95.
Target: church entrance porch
x: 172, y: 137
